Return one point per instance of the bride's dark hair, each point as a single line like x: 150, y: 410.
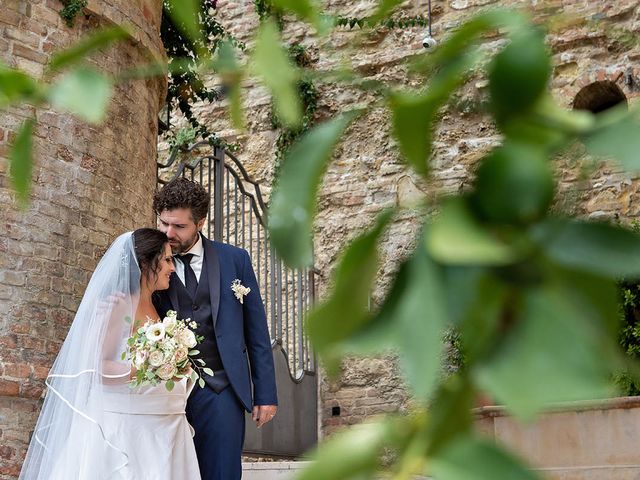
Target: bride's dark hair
x: 149, y: 248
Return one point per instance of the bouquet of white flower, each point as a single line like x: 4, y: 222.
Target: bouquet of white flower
x: 163, y: 351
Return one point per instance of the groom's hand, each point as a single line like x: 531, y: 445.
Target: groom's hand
x: 263, y: 414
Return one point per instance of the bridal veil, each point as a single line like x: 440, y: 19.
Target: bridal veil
x: 70, y: 440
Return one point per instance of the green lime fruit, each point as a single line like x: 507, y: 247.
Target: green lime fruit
x: 514, y: 185
x: 519, y: 74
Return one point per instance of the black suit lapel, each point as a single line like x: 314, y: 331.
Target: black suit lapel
x: 173, y: 291
x: 213, y: 271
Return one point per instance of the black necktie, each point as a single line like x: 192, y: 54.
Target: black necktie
x: 190, y: 280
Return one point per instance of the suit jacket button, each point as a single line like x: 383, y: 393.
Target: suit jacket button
x: 195, y: 307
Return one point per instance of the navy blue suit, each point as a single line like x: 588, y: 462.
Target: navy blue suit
x: 238, y: 343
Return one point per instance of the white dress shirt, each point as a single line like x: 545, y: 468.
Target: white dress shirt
x: 196, y: 261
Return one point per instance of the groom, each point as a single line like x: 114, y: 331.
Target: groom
x: 236, y: 344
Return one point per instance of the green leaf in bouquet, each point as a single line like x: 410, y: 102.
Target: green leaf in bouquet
x: 596, y: 247
x: 208, y: 371
x: 472, y: 458
x: 15, y: 86
x: 272, y: 64
x: 534, y: 367
x: 345, y: 311
x: 616, y: 137
x: 201, y: 383
x: 293, y: 205
x: 84, y: 92
x: 194, y: 376
x: 123, y: 356
x: 200, y: 361
x: 131, y: 341
x: 169, y: 385
x: 194, y: 352
x: 21, y: 161
x: 95, y: 41
x: 457, y: 238
x: 363, y: 443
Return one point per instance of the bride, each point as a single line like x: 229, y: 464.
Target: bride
x: 93, y: 425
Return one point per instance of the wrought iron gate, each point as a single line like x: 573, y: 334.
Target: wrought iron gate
x: 237, y: 216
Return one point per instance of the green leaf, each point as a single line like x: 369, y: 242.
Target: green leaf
x: 194, y: 352
x: 123, y: 356
x: 519, y: 74
x: 293, y: 205
x: 363, y: 443
x: 21, y: 161
x: 84, y: 92
x: 420, y: 316
x: 201, y: 383
x: 345, y: 311
x: 457, y: 238
x: 169, y: 385
x: 478, y: 459
x: 227, y: 67
x: 514, y: 185
x: 81, y: 50
x: 272, y: 64
x: 617, y: 138
x: 414, y: 115
x: 596, y: 247
x: 468, y: 34
x: 15, y: 86
x: 483, y: 300
x: 304, y: 9
x: 556, y: 351
x: 450, y: 413
x: 208, y: 371
x: 385, y: 7
x: 186, y: 17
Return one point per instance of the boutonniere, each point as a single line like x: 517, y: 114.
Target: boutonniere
x: 239, y: 290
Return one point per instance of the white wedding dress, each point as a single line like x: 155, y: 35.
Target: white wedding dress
x: 153, y: 431
x: 147, y: 433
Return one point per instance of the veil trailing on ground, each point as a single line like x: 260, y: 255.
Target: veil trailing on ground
x: 71, y: 440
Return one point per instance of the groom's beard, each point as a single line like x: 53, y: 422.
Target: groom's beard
x: 183, y: 247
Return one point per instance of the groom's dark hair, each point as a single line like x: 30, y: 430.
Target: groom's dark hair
x: 183, y: 193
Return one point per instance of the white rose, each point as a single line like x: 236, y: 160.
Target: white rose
x: 156, y: 358
x: 155, y: 332
x: 169, y: 323
x: 181, y: 354
x: 187, y: 338
x: 166, y: 371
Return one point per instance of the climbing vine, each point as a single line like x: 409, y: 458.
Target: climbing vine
x: 72, y: 8
x: 308, y: 94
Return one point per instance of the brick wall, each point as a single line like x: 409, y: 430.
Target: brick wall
x: 90, y: 184
x: 367, y: 173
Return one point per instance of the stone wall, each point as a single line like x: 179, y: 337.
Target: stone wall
x: 90, y: 184
x: 367, y: 173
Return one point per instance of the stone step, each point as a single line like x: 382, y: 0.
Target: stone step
x: 271, y: 470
